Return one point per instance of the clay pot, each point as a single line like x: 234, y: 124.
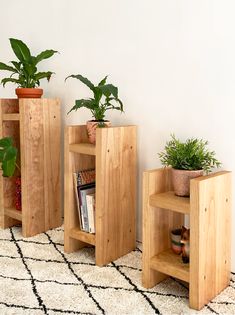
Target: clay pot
x: 91, y: 126
x: 176, y: 245
x: 29, y: 92
x: 181, y: 180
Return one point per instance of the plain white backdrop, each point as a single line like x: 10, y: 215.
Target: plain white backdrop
x: 173, y: 61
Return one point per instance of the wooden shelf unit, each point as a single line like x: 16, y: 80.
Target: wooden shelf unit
x: 209, y: 207
x: 34, y: 125
x: 114, y: 158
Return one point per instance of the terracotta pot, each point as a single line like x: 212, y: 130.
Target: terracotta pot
x: 91, y: 126
x: 18, y: 193
x: 176, y: 245
x: 29, y: 93
x: 181, y: 180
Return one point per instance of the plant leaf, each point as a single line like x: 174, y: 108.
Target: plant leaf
x: 16, y: 65
x: 6, y: 142
x: 45, y: 55
x: 42, y: 75
x: 103, y: 81
x: 109, y: 89
x: 83, y: 80
x: 6, y: 80
x: 20, y: 49
x: 3, y: 66
x: 9, y: 161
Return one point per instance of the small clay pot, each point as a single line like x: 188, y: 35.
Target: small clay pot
x: 29, y: 92
x: 176, y: 245
x: 91, y: 126
x: 181, y: 180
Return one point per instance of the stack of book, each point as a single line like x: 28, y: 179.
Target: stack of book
x: 84, y: 185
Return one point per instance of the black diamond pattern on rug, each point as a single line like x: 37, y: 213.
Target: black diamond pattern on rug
x: 37, y: 277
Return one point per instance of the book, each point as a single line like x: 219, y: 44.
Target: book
x: 90, y: 200
x: 83, y: 181
x: 77, y: 200
x: 82, y: 192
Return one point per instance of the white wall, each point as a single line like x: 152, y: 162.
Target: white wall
x: 173, y: 61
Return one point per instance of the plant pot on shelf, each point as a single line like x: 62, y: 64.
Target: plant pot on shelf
x: 176, y: 245
x: 181, y: 180
x: 91, y: 126
x: 29, y: 92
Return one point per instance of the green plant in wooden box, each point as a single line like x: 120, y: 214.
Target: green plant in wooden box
x: 24, y: 72
x: 8, y: 155
x: 188, y: 160
x: 105, y: 97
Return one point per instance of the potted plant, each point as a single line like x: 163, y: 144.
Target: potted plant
x: 24, y: 72
x: 188, y: 160
x: 105, y: 97
x: 8, y: 155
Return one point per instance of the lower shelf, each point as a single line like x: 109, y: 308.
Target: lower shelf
x: 171, y: 264
x: 82, y: 236
x: 13, y: 213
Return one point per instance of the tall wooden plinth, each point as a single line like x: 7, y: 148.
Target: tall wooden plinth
x: 114, y: 158
x: 34, y: 125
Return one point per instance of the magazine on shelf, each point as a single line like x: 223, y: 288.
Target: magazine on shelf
x: 84, y: 183
x: 90, y: 200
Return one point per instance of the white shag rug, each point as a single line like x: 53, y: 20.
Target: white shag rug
x: 37, y: 277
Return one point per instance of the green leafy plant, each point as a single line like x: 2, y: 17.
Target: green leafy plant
x: 189, y: 155
x: 8, y: 154
x: 104, y: 96
x: 24, y: 71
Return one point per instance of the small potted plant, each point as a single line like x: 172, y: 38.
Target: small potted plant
x: 188, y: 160
x: 8, y: 156
x: 24, y: 72
x: 105, y: 97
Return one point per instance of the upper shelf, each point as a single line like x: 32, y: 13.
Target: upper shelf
x: 83, y: 148
x: 13, y: 116
x: 168, y: 200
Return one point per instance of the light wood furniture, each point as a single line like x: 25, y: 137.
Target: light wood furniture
x: 114, y: 158
x: 34, y: 124
x: 209, y: 207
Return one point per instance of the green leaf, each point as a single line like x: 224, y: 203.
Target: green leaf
x: 109, y: 89
x: 83, y: 80
x: 6, y: 142
x: 29, y: 69
x: 103, y: 81
x: 7, y: 80
x: 45, y: 55
x: 3, y: 66
x: 16, y: 65
x: 20, y: 49
x: 42, y: 75
x: 8, y: 167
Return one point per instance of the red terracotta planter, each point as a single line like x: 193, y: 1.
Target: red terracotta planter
x: 29, y: 92
x: 91, y: 126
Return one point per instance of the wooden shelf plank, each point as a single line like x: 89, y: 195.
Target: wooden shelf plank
x: 171, y: 264
x: 82, y: 236
x: 13, y: 213
x: 83, y: 148
x: 169, y: 200
x: 14, y: 116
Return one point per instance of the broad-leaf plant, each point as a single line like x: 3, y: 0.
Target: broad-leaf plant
x: 24, y: 71
x: 8, y: 155
x: 105, y: 97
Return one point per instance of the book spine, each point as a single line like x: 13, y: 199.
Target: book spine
x: 77, y: 199
x: 84, y: 210
x: 91, y: 212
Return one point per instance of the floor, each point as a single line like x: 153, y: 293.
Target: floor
x: 37, y: 277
